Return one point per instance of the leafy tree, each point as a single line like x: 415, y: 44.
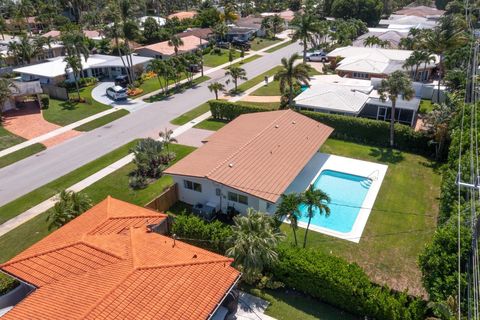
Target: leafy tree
x: 292, y: 74
x: 315, y: 200
x: 175, y: 42
x: 444, y: 310
x: 254, y: 241
x: 236, y: 73
x: 438, y: 122
x: 368, y: 11
x: 397, y: 84
x: 151, y: 30
x: 70, y: 205
x: 304, y: 26
x: 208, y: 17
x: 7, y: 87
x: 289, y: 207
x: 220, y: 31
x: 215, y: 87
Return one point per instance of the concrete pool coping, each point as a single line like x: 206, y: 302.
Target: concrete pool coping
x: 321, y: 162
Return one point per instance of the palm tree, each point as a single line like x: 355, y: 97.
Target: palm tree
x: 75, y: 64
x: 315, y: 200
x: 427, y: 59
x: 291, y: 74
x: 7, y: 88
x: 397, y: 84
x: 25, y: 9
x: 3, y: 27
x: 253, y: 242
x: 158, y: 66
x: 215, y: 87
x: 175, y: 42
x: 277, y: 23
x: 289, y: 207
x: 220, y: 30
x: 236, y: 73
x: 304, y: 30
x: 167, y: 138
x: 371, y: 41
x: 438, y: 122
x: 70, y: 205
x: 115, y: 32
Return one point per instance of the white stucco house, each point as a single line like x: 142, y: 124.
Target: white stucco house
x: 250, y: 162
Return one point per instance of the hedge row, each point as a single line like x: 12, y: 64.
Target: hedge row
x: 342, y: 284
x: 362, y: 130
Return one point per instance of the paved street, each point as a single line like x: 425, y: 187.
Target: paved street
x: 33, y: 172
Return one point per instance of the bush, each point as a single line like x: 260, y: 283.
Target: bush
x: 224, y: 110
x: 7, y: 284
x: 216, y: 50
x: 192, y: 227
x: 137, y: 181
x: 44, y: 101
x: 342, y: 284
x: 207, y: 50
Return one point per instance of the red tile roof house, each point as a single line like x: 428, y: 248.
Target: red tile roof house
x: 108, y: 264
x: 250, y: 162
x: 162, y: 50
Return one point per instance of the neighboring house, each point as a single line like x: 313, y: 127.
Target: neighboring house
x: 56, y: 49
x: 183, y: 15
x: 202, y: 33
x: 287, y: 15
x: 160, y: 21
x: 251, y: 22
x: 250, y: 162
x: 17, y: 25
x: 90, y: 34
x: 22, y: 89
x: 359, y: 98
x: 392, y: 36
x: 419, y: 17
x: 367, y: 63
x: 239, y: 33
x: 163, y: 50
x: 110, y: 263
x: 97, y: 65
x: 420, y: 11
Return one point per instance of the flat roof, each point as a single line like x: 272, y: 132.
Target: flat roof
x: 259, y: 153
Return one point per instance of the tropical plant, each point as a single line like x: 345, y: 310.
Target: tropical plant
x: 220, y: 31
x: 236, y: 73
x: 316, y: 201
x: 305, y: 29
x: 74, y: 64
x: 289, y: 207
x: 7, y: 88
x: 158, y: 67
x: 371, y: 41
x: 438, y: 123
x: 444, y: 310
x: 70, y: 205
x: 175, y: 42
x: 167, y: 138
x: 397, y: 84
x: 291, y: 74
x: 215, y: 87
x: 150, y: 158
x: 254, y: 241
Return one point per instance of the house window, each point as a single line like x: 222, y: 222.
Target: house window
x: 235, y: 197
x: 192, y: 185
x: 360, y: 75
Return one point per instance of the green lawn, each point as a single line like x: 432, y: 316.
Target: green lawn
x: 425, y: 107
x: 288, y: 304
x: 8, y: 139
x: 211, y: 124
x: 402, y: 221
x: 21, y: 154
x: 280, y: 46
x: 256, y: 80
x: 212, y: 60
x: 102, y: 120
x: 190, y: 115
x: 244, y: 61
x: 271, y: 89
x: 173, y: 90
x: 260, y: 43
x: 38, y: 195
x: 152, y: 84
x: 66, y: 112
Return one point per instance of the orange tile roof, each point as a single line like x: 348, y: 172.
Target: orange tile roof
x: 105, y: 265
x: 420, y: 11
x: 190, y: 43
x: 183, y: 15
x: 259, y: 153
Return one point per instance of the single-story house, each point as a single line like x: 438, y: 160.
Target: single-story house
x: 202, y: 33
x: 250, y: 162
x: 112, y: 262
x: 397, y: 21
x: 392, y: 36
x: 18, y: 24
x: 160, y: 21
x: 359, y: 98
x: 90, y: 34
x: 181, y: 15
x: 97, y: 65
x: 240, y: 33
x: 22, y: 89
x: 287, y: 15
x: 56, y: 49
x: 163, y: 50
x: 251, y: 22
x: 367, y: 62
x: 420, y: 11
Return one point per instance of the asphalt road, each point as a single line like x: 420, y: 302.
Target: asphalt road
x: 33, y: 172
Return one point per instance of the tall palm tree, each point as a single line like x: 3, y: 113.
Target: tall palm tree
x: 175, y: 42
x: 167, y: 138
x: 7, y: 88
x: 305, y: 28
x: 253, y: 242
x: 236, y: 73
x: 74, y: 63
x: 115, y: 32
x: 427, y: 59
x: 215, y: 87
x: 291, y: 74
x: 397, y: 84
x: 70, y: 205
x: 158, y: 66
x: 289, y: 207
x: 315, y: 200
x: 25, y: 9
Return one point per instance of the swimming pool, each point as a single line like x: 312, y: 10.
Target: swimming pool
x: 347, y: 194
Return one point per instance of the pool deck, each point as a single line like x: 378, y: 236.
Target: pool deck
x: 321, y: 162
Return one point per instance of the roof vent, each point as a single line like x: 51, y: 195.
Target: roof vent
x: 230, y: 165
x: 294, y: 122
x: 276, y: 126
x: 194, y: 256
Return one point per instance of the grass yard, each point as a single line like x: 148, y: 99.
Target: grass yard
x: 8, y: 139
x: 211, y: 124
x: 260, y: 43
x: 102, y: 120
x: 190, y: 115
x: 256, y: 80
x: 38, y: 195
x: 21, y: 154
x: 425, y: 107
x: 213, y: 60
x: 402, y: 221
x: 173, y: 90
x: 271, y: 89
x: 66, y: 112
x: 280, y: 46
x: 244, y: 61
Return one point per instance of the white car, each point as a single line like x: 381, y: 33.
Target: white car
x: 117, y: 93
x: 317, y: 56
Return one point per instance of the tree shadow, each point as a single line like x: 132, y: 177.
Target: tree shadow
x: 387, y: 155
x: 68, y: 105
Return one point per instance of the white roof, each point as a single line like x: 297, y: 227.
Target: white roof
x: 56, y: 67
x: 403, y: 21
x: 334, y: 93
x: 161, y: 21
x: 412, y: 104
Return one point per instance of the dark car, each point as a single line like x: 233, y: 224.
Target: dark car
x: 121, y: 81
x: 241, y: 44
x: 194, y: 68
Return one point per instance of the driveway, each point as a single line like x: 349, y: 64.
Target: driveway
x: 99, y: 94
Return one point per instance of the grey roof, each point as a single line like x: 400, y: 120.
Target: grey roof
x: 392, y: 36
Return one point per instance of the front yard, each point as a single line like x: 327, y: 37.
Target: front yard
x: 8, y: 139
x: 212, y: 59
x: 260, y: 43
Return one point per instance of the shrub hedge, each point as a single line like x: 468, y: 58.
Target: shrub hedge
x: 342, y: 284
x: 7, y: 284
x: 224, y: 110
x: 44, y: 101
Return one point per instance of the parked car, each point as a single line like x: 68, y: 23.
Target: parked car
x: 241, y: 44
x: 223, y: 44
x: 117, y: 93
x: 317, y: 56
x: 121, y: 81
x: 194, y: 68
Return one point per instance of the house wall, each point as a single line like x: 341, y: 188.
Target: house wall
x: 42, y: 80
x: 372, y: 111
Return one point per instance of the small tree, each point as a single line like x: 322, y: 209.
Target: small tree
x: 315, y: 200
x: 175, y: 42
x: 167, y: 138
x: 215, y: 87
x: 150, y: 158
x: 70, y: 205
x: 292, y: 74
x: 289, y: 207
x: 236, y: 73
x: 397, y: 84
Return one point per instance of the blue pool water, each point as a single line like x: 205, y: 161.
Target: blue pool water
x: 346, y: 192
x: 303, y: 87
